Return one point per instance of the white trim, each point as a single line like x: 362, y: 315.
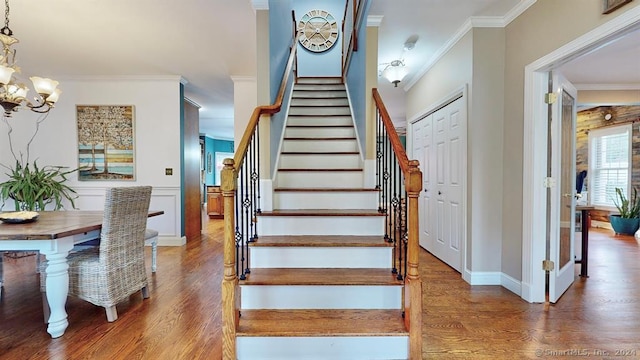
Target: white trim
x: 374, y: 20
x: 482, y: 277
x: 511, y: 284
x: 369, y: 167
x: 607, y: 87
x: 474, y: 21
x: 266, y: 194
x: 260, y: 5
x: 129, y: 78
x: 171, y: 241
x: 535, y: 145
x: 282, y: 133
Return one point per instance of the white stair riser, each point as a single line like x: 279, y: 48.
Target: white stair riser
x: 320, y: 110
x: 320, y: 297
x: 340, y: 93
x: 315, y: 179
x: 323, y: 348
x: 320, y: 225
x: 321, y: 257
x: 318, y: 87
x: 320, y: 132
x: 318, y: 80
x: 332, y: 101
x: 319, y: 161
x: 325, y: 200
x: 319, y: 146
x: 343, y: 120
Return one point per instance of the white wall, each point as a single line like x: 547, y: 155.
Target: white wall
x: 156, y: 102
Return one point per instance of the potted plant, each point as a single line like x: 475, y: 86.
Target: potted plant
x: 33, y: 187
x: 628, y: 219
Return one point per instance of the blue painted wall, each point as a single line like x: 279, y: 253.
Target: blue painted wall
x: 356, y: 83
x: 326, y: 63
x: 211, y: 146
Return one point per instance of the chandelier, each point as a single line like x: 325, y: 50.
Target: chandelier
x: 13, y: 94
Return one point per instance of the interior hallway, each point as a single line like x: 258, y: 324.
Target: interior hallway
x: 181, y: 319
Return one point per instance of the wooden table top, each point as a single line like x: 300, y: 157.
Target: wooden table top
x: 56, y: 224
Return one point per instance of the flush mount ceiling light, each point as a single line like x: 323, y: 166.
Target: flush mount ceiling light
x: 395, y: 72
x: 13, y: 94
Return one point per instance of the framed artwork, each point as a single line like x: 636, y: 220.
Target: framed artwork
x: 106, y: 142
x: 209, y: 163
x: 611, y: 5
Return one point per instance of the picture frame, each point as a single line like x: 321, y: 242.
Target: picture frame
x: 106, y: 142
x: 609, y: 6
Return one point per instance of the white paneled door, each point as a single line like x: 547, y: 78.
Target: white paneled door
x: 438, y: 142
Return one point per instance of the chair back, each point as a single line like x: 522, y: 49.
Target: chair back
x: 123, y: 227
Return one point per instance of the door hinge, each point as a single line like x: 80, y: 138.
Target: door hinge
x: 550, y: 98
x: 549, y: 182
x: 547, y: 265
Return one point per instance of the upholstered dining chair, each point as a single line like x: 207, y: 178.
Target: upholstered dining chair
x: 109, y: 273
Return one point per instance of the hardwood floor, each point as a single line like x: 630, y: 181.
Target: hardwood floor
x: 181, y: 319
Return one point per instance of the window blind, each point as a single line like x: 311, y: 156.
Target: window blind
x: 609, y: 163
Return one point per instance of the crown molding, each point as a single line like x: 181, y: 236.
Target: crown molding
x: 470, y: 23
x: 236, y: 79
x: 176, y: 78
x: 606, y: 87
x: 374, y: 20
x: 260, y: 5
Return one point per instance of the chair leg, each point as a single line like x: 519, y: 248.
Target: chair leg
x: 154, y: 254
x: 45, y: 308
x: 145, y: 292
x: 112, y: 314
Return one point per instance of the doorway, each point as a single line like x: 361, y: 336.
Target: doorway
x: 535, y: 145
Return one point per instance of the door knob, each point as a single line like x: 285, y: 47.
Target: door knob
x: 439, y: 192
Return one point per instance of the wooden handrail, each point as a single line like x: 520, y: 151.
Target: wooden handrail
x: 241, y: 150
x: 413, y: 185
x: 403, y: 160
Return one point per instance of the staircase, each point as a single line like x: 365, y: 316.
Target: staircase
x: 321, y: 284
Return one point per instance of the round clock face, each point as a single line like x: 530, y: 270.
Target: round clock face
x: 318, y: 30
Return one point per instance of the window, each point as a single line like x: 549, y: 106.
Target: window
x: 609, y: 163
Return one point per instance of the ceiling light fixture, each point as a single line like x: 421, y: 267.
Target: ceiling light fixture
x: 395, y: 72
x: 13, y: 94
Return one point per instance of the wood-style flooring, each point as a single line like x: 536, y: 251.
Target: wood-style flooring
x: 181, y: 320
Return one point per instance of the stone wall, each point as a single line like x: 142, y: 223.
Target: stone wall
x: 593, y: 119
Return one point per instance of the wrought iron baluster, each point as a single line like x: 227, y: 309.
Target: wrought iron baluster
x: 247, y: 213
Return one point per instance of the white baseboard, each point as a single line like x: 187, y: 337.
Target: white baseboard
x: 511, y: 284
x: 171, y: 241
x: 493, y: 278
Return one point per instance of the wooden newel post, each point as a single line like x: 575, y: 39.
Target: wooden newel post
x: 413, y: 285
x: 230, y: 290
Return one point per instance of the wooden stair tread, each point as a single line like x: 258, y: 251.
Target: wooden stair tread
x: 326, y: 189
x: 321, y: 241
x: 319, y: 126
x: 321, y: 323
x: 319, y: 153
x: 319, y: 138
x: 321, y: 276
x: 300, y: 169
x: 322, y: 212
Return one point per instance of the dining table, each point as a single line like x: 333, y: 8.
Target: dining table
x: 53, y: 234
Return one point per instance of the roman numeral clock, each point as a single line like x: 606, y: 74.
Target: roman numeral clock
x: 318, y: 31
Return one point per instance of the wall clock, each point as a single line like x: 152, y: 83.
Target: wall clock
x: 318, y: 30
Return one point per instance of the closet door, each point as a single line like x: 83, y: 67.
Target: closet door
x: 439, y: 145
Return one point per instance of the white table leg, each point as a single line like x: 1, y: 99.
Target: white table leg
x: 57, y: 289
